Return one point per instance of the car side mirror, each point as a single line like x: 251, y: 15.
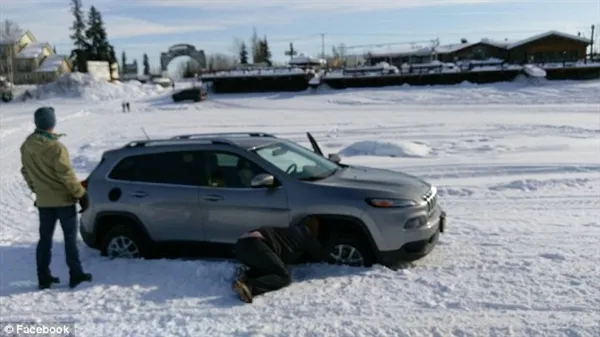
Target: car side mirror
x: 263, y: 180
x: 334, y: 157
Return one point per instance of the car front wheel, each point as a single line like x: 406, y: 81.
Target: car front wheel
x: 347, y: 250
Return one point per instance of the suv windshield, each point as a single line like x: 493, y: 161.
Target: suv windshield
x: 297, y: 161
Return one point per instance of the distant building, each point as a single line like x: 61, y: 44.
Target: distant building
x: 129, y: 71
x: 24, y: 60
x: 552, y: 46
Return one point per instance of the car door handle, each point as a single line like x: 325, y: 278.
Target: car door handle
x: 212, y: 197
x: 139, y: 194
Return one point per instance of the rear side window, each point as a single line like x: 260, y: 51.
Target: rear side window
x: 177, y: 167
x: 227, y: 159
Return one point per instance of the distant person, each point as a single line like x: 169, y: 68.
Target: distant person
x: 47, y: 170
x: 264, y: 253
x: 128, y: 107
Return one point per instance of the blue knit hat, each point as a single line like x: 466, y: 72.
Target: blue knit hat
x: 44, y: 118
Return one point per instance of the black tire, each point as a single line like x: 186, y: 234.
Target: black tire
x: 351, y: 241
x: 124, y: 231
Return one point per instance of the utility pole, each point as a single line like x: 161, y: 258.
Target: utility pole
x: 592, y: 43
x: 11, y: 56
x: 322, y: 45
x: 291, y: 52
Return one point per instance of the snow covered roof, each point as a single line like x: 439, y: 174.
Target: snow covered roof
x: 404, y: 51
x: 52, y: 63
x: 33, y: 50
x: 496, y: 43
x: 452, y: 48
x: 547, y: 34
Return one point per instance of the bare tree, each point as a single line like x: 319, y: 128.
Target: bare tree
x: 220, y: 61
x: 254, y: 46
x: 9, y: 31
x: 342, y: 51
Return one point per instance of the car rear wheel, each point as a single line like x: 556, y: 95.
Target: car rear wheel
x: 122, y: 242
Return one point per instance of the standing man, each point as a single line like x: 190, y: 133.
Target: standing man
x: 266, y: 251
x: 46, y: 168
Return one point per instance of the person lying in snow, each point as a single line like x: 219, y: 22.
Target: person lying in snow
x: 264, y: 253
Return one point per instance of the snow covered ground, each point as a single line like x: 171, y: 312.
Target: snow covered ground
x: 517, y: 166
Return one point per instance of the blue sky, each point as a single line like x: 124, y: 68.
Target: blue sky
x: 151, y: 26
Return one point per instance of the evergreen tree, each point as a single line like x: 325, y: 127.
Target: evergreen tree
x: 146, y: 65
x: 243, y: 54
x: 98, y: 47
x: 78, y: 37
x: 123, y: 59
x: 112, y: 55
x: 265, y: 52
x: 112, y: 60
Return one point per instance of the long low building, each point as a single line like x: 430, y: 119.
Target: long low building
x: 550, y: 46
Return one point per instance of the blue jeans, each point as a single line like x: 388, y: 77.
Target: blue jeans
x: 68, y: 221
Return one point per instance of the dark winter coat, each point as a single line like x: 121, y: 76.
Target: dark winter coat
x: 293, y: 243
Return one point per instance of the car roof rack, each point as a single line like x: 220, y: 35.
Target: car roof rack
x: 176, y: 141
x: 225, y: 134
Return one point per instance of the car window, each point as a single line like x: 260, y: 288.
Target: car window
x: 176, y: 167
x: 226, y: 169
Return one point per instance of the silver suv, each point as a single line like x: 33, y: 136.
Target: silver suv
x: 196, y: 194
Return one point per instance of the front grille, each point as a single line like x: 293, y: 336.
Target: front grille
x: 431, y: 199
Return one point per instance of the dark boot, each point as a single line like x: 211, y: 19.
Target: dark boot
x: 242, y: 291
x: 75, y: 280
x: 45, y: 282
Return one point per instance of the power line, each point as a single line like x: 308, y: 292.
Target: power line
x: 388, y: 44
x: 452, y: 32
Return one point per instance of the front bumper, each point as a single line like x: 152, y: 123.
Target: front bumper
x: 414, y: 250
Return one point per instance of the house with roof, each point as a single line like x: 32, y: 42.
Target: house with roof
x: 552, y: 46
x: 27, y: 61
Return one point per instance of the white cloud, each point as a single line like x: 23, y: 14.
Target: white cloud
x: 50, y: 21
x: 121, y: 27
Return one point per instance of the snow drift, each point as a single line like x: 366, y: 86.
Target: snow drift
x: 385, y: 149
x: 88, y: 87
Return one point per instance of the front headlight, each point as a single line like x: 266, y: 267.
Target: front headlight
x: 391, y: 203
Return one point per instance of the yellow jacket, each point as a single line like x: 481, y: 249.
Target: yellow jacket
x: 46, y: 168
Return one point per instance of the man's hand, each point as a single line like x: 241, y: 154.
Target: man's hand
x: 84, y: 202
